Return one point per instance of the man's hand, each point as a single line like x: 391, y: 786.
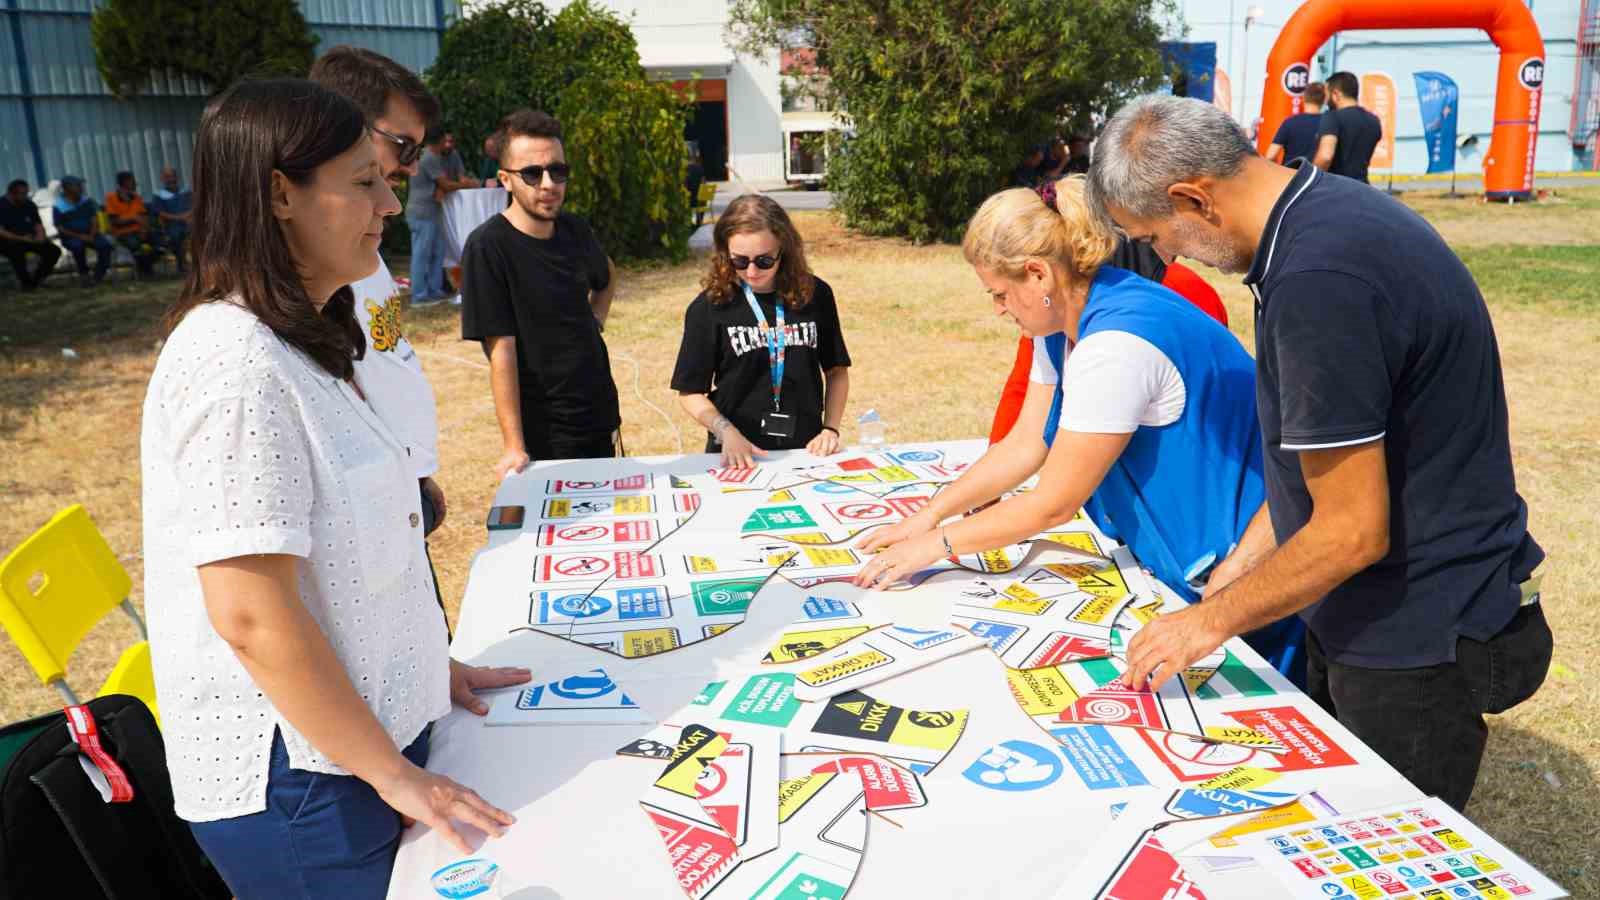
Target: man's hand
x: 465, y: 679
x: 737, y: 451
x: 436, y: 497
x: 901, y: 561
x: 1226, y: 573
x: 826, y: 443
x: 1170, y: 644
x: 512, y: 461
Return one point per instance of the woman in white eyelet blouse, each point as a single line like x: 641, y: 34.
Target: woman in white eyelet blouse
x: 297, y: 643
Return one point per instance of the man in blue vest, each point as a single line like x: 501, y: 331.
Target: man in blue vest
x: 1393, y: 525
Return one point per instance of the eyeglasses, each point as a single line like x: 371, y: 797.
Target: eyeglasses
x: 406, y: 149
x: 533, y: 176
x: 763, y: 262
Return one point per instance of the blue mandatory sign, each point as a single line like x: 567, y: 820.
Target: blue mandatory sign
x: 998, y: 634
x: 581, y: 606
x: 594, y: 683
x: 918, y: 456
x: 1015, y: 766
x: 1333, y: 891
x: 827, y: 608
x: 833, y: 487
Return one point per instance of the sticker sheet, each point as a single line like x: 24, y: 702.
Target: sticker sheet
x: 1421, y: 849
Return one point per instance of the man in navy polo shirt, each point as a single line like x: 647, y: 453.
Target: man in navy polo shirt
x: 1394, y: 527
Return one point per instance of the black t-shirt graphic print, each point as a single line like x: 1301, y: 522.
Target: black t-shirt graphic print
x: 724, y: 354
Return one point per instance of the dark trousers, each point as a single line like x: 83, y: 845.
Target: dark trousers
x: 17, y: 251
x: 601, y: 445
x: 145, y: 247
x: 80, y: 254
x: 1428, y: 722
x: 320, y: 835
x: 176, y: 235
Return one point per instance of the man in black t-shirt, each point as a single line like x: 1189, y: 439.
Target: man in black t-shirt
x: 537, y: 290
x: 1297, y: 136
x: 21, y: 233
x: 1393, y: 525
x: 1348, y: 133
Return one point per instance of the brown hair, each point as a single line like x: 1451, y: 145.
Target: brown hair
x: 525, y: 122
x: 1016, y: 225
x: 748, y: 214
x: 1316, y: 94
x: 369, y: 79
x: 246, y: 132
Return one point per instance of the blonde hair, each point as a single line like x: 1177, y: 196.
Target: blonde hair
x: 1016, y: 225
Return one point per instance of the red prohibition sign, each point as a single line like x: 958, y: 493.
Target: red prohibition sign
x: 1189, y: 749
x: 864, y: 511
x: 580, y: 565
x: 583, y: 532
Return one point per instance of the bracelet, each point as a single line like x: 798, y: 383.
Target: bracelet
x: 830, y: 428
x: 944, y: 536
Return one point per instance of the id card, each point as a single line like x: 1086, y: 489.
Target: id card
x: 778, y: 425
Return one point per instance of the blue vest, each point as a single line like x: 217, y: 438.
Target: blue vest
x: 1181, y: 494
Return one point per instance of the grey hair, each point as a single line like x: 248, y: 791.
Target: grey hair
x: 1157, y: 141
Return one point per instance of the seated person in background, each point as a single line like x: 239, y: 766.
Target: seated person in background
x: 752, y: 392
x: 130, y: 223
x: 1077, y: 155
x: 21, y: 233
x: 78, y: 225
x: 1141, y: 409
x: 171, y: 207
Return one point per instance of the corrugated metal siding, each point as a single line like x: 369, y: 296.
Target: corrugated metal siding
x: 83, y: 130
x: 96, y: 137
x: 14, y: 149
x: 373, y: 13
x: 413, y: 49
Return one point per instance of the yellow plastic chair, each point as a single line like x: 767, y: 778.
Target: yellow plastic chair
x: 54, y: 587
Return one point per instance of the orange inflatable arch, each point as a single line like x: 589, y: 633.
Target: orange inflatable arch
x: 1508, y: 167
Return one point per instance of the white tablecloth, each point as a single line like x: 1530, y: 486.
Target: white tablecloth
x: 580, y: 832
x: 465, y: 211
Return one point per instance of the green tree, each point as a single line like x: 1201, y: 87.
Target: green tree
x: 945, y: 96
x: 218, y: 41
x: 623, y: 133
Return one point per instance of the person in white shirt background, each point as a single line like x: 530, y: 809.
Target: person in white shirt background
x: 299, y: 656
x: 400, y: 110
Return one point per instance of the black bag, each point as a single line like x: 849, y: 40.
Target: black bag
x: 58, y: 838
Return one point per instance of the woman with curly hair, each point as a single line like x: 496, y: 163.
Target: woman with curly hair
x: 763, y: 364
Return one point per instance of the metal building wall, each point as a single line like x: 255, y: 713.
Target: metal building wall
x: 78, y: 128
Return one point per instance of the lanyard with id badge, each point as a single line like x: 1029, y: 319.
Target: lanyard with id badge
x: 774, y: 424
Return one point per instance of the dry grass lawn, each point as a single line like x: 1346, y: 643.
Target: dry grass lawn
x: 930, y: 356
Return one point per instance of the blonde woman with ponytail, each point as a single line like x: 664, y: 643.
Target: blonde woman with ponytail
x: 1140, y: 409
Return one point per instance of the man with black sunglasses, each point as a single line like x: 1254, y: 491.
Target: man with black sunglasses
x: 537, y: 290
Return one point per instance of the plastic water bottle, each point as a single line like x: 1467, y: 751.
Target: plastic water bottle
x: 872, y: 430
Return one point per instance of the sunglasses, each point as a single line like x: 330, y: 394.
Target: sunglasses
x: 533, y: 176
x: 406, y: 149
x: 763, y: 262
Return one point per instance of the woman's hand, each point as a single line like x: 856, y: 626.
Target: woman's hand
x: 901, y: 560
x: 920, y: 522
x: 465, y: 679
x: 826, y: 443
x: 438, y: 802
x: 738, y: 453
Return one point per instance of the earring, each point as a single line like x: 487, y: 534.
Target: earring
x: 1047, y: 301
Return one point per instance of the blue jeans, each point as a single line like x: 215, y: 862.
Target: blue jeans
x: 427, y: 257
x: 320, y: 836
x: 80, y: 254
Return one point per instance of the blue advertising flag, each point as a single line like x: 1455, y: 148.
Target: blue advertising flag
x: 1437, y: 98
